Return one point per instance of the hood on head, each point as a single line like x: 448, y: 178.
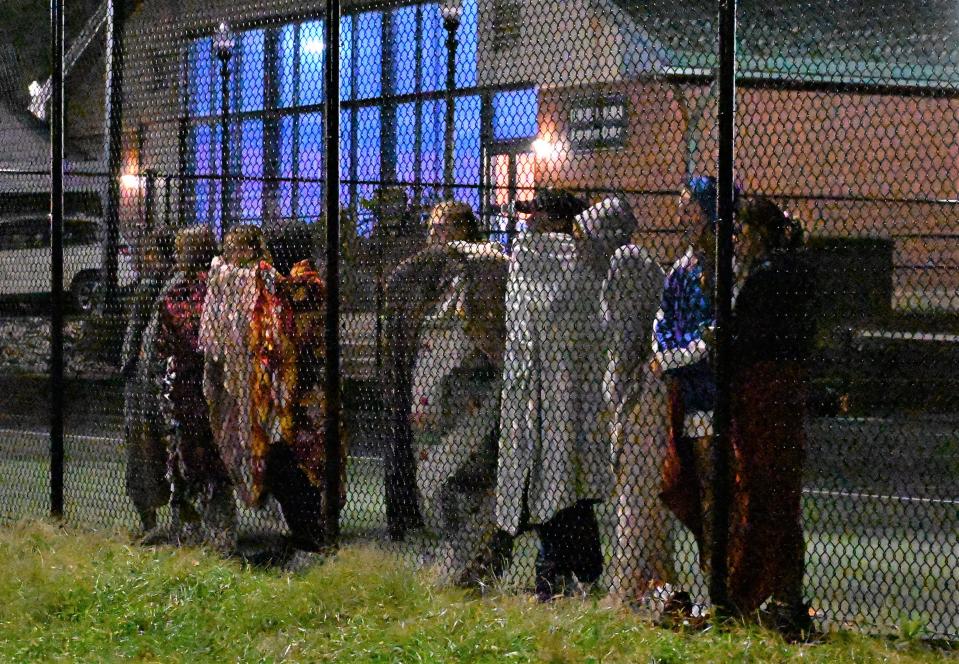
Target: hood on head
x: 609, y: 224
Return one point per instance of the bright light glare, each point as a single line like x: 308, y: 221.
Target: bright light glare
x: 130, y: 181
x: 543, y: 148
x: 313, y: 46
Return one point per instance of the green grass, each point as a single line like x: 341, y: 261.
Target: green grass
x: 859, y: 576
x: 75, y: 596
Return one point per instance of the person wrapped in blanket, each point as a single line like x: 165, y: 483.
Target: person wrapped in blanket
x: 445, y: 336
x: 682, y: 345
x: 772, y: 329
x: 641, y: 570
x: 202, y: 499
x: 289, y: 407
x: 554, y: 456
x: 228, y: 368
x: 146, y: 455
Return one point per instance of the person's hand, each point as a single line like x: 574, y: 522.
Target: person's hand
x: 656, y: 367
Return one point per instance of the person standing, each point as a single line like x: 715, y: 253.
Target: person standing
x: 682, y: 345
x: 641, y: 570
x: 202, y: 495
x: 289, y: 403
x: 453, y: 375
x: 145, y: 477
x: 553, y: 459
x: 772, y: 330
x: 228, y: 363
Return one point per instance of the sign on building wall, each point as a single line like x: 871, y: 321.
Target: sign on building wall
x: 598, y: 122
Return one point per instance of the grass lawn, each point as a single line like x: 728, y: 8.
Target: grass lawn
x: 75, y: 596
x: 859, y: 575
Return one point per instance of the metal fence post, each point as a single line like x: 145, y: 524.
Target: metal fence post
x: 331, y: 503
x: 114, y: 153
x: 56, y: 249
x: 724, y: 294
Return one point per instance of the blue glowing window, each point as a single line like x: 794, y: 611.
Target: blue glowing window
x: 515, y: 114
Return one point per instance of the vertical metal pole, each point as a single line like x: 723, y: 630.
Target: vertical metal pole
x: 331, y: 506
x: 418, y: 116
x: 380, y: 302
x: 718, y: 587
x: 449, y: 137
x: 486, y: 140
x: 149, y: 195
x: 56, y: 249
x: 113, y: 156
x: 271, y: 127
x: 182, y: 131
x: 141, y: 140
x: 225, y: 219
x: 167, y: 202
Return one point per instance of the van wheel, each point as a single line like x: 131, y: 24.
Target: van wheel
x: 85, y: 290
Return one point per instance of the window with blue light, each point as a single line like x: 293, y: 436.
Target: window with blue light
x: 467, y: 151
x: 310, y: 166
x: 405, y: 127
x: 201, y: 81
x: 206, y: 169
x: 368, y: 49
x: 367, y: 160
x: 368, y: 150
x: 346, y: 156
x: 286, y: 118
x: 515, y: 114
x: 312, y: 50
x: 249, y: 92
x: 432, y: 50
x: 403, y: 34
x: 346, y: 58
x: 285, y: 190
x: 467, y: 50
x: 249, y: 197
x: 432, y: 141
x: 286, y: 62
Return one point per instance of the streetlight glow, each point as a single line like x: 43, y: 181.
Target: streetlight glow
x: 543, y: 148
x: 224, y: 42
x: 451, y: 11
x: 131, y: 182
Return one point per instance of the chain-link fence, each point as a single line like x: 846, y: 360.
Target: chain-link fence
x: 587, y: 297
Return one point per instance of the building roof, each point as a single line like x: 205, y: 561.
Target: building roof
x: 884, y: 42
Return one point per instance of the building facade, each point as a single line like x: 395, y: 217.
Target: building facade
x: 847, y: 117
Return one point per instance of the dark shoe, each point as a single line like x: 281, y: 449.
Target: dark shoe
x: 550, y: 581
x: 263, y: 551
x: 793, y: 621
x: 158, y: 536
x: 148, y: 520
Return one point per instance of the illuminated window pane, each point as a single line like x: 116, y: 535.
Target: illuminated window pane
x: 249, y: 58
x: 515, y: 114
x: 369, y: 54
x: 310, y: 166
x: 403, y: 49
x: 312, y: 50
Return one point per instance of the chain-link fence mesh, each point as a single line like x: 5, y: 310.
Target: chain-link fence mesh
x: 527, y: 293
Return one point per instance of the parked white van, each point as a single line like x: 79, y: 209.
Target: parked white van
x: 25, y: 258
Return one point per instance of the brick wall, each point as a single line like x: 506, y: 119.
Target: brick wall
x: 807, y: 144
